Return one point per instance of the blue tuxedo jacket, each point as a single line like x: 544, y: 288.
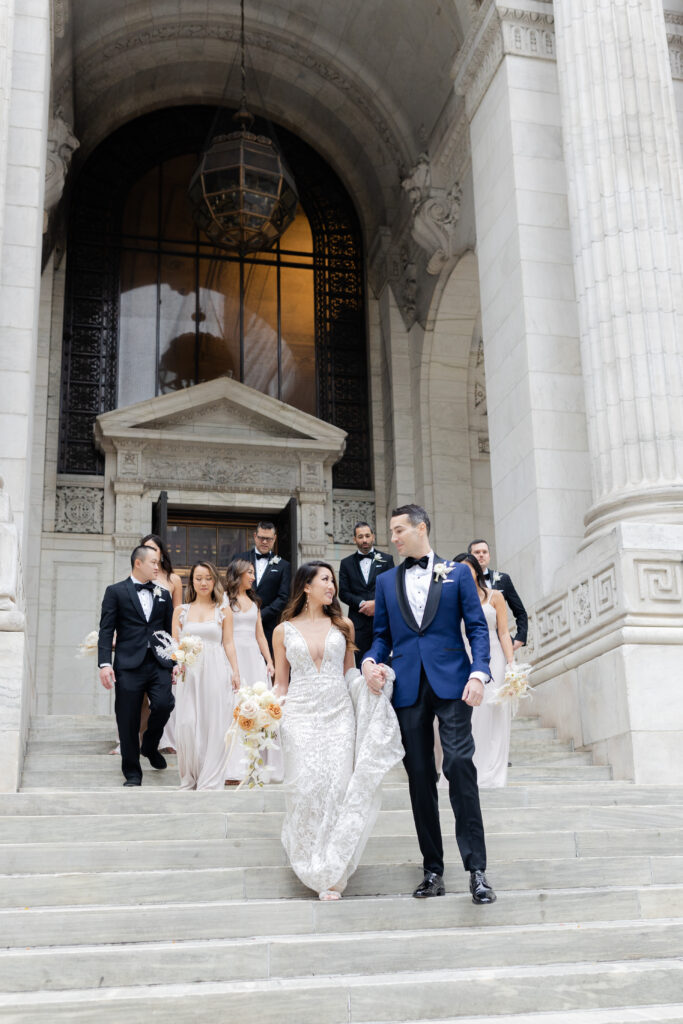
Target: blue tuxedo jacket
x: 436, y: 644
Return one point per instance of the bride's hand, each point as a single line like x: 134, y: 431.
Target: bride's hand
x: 236, y: 683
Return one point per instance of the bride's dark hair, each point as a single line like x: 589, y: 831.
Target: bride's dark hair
x: 478, y: 571
x: 305, y: 574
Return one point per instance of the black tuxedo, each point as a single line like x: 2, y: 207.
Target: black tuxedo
x: 137, y: 666
x: 353, y: 589
x: 273, y: 590
x: 503, y: 583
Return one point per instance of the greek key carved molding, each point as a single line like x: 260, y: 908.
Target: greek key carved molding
x: 79, y: 509
x: 659, y: 581
x: 346, y: 512
x: 605, y: 587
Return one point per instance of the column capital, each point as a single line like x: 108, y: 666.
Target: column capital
x: 526, y: 30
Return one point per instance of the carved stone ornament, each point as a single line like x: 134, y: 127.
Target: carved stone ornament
x: 61, y: 145
x: 435, y: 213
x: 79, y: 509
x: 346, y: 512
x: 11, y: 594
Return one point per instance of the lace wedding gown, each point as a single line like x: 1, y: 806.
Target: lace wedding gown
x: 339, y: 740
x: 491, y: 722
x: 204, y: 703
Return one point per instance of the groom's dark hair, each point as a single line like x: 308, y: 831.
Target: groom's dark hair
x: 416, y: 515
x: 140, y: 552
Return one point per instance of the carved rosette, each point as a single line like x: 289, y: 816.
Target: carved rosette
x: 79, y: 509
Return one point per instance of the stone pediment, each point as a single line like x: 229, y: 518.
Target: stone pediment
x: 221, y: 412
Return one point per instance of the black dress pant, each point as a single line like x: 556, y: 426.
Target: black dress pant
x: 131, y: 686
x: 455, y: 731
x: 363, y: 640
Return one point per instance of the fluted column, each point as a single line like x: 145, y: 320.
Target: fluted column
x: 623, y: 160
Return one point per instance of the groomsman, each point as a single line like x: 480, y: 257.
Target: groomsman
x: 273, y: 577
x: 357, y: 578
x: 501, y: 581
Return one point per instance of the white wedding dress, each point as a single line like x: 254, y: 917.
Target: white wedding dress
x: 339, y: 740
x: 491, y: 723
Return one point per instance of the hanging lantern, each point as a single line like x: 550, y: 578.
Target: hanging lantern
x: 243, y: 194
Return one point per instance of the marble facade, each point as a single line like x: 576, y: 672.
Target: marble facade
x: 520, y: 199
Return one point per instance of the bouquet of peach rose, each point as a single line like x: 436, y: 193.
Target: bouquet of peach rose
x: 515, y: 687
x: 184, y: 651
x: 256, y: 717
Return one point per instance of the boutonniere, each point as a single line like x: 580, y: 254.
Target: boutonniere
x: 274, y: 560
x: 441, y: 571
x: 378, y: 557
x: 496, y: 576
x: 157, y: 592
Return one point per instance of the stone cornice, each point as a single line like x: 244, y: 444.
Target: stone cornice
x: 673, y: 22
x: 525, y: 30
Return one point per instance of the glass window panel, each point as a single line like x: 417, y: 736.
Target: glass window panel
x: 176, y: 211
x: 137, y: 327
x: 201, y: 544
x: 177, y: 545
x: 219, y: 328
x: 176, y: 323
x: 260, y: 328
x: 232, y: 540
x: 298, y: 339
x: 298, y: 235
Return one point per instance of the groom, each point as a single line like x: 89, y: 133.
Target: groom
x: 135, y: 609
x: 418, y: 611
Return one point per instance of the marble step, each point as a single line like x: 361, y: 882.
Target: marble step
x: 220, y: 918
x: 382, y: 998
x: 49, y: 779
x: 207, y: 877
x: 247, y: 824
x: 272, y: 798
x: 620, y: 1015
x: 314, y: 955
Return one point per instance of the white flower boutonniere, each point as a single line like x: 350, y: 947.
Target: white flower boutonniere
x: 157, y: 592
x: 441, y: 571
x: 274, y: 560
x: 496, y: 576
x: 378, y: 557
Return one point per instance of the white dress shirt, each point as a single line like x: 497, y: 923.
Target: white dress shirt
x: 260, y: 566
x: 146, y: 599
x: 366, y: 564
x: 418, y: 581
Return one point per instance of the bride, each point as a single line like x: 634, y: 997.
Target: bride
x: 338, y: 738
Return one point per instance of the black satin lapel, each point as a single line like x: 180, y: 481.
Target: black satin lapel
x: 433, y: 597
x: 133, y: 594
x: 403, y: 604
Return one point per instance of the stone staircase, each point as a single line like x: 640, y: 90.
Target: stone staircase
x: 133, y: 905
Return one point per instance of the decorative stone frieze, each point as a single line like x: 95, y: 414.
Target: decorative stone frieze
x: 674, y: 36
x: 79, y: 509
x: 435, y: 212
x: 61, y: 145
x: 346, y: 512
x: 525, y: 30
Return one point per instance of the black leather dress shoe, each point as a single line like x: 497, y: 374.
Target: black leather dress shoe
x: 133, y: 782
x: 480, y: 888
x: 431, y: 885
x: 156, y: 759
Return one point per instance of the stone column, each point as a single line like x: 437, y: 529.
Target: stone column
x: 623, y: 159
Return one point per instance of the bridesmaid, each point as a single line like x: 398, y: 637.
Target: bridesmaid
x: 172, y: 582
x: 204, y: 697
x: 253, y: 653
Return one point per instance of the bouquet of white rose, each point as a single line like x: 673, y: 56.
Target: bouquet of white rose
x: 256, y: 718
x: 89, y: 645
x: 516, y: 686
x: 184, y: 651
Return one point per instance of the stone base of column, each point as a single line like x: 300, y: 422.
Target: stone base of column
x: 606, y: 649
x: 12, y: 725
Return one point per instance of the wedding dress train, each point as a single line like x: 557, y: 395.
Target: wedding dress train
x: 339, y: 740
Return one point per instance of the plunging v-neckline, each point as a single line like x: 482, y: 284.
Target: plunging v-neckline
x: 308, y: 649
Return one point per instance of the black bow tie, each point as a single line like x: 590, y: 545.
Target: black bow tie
x: 259, y: 556
x: 422, y: 562
x: 361, y: 556
x: 144, y: 586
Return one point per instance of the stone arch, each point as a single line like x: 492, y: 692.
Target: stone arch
x: 453, y: 435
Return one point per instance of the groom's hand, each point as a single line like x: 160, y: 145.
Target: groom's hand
x: 107, y: 677
x: 375, y: 676
x: 473, y: 694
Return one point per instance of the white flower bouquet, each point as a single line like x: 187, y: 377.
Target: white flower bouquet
x: 89, y: 645
x: 516, y: 686
x: 184, y: 651
x: 256, y: 717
